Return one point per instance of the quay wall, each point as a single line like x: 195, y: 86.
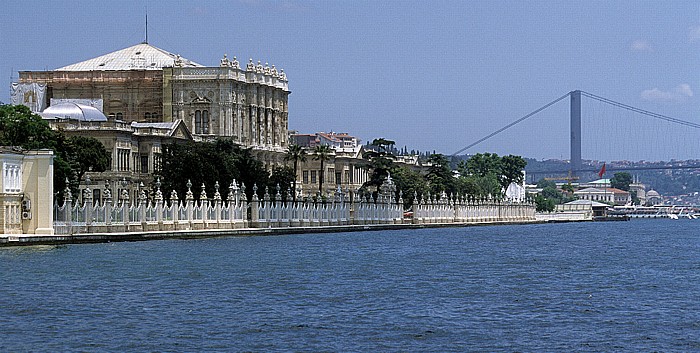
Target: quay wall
x: 81, y: 238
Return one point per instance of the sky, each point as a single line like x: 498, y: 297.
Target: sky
x: 431, y: 75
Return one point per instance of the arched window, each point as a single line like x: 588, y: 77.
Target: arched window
x: 120, y: 116
x: 205, y: 121
x: 197, y: 122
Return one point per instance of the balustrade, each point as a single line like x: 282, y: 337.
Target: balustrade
x: 263, y: 211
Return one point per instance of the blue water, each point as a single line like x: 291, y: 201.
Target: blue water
x: 612, y: 286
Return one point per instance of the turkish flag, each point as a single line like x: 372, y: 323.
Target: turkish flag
x: 602, y: 171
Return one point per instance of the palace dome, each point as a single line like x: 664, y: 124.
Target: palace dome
x: 73, y: 111
x: 652, y: 193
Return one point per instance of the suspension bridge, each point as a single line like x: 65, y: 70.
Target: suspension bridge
x: 611, y: 112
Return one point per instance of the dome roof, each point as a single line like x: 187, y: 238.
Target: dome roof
x: 73, y: 111
x: 652, y: 193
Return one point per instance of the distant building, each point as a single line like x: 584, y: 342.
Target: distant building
x: 600, y: 183
x: 639, y: 189
x: 135, y: 149
x: 333, y: 139
x: 608, y: 195
x: 26, y: 191
x: 654, y: 198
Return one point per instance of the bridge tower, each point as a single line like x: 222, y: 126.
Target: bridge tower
x: 575, y: 127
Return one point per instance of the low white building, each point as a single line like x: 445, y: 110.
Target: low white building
x: 608, y: 195
x: 26, y: 191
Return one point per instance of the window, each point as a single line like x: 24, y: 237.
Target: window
x: 197, y: 122
x: 201, y: 122
x: 120, y: 116
x: 313, y: 176
x: 123, y: 161
x: 144, y: 164
x: 148, y: 116
x: 157, y: 162
x: 305, y: 176
x: 338, y: 178
x: 205, y: 121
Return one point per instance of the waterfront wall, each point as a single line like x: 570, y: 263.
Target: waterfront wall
x: 266, y: 211
x: 567, y: 213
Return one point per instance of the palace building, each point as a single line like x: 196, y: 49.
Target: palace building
x: 147, y: 84
x: 137, y: 99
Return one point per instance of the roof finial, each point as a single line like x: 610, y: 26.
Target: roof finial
x: 146, y: 41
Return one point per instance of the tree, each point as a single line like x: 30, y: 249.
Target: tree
x: 22, y: 128
x: 210, y: 162
x: 488, y: 174
x: 543, y: 183
x: 86, y: 154
x: 621, y: 180
x: 283, y: 177
x: 296, y: 154
x: 439, y: 175
x: 511, y: 170
x: 380, y: 162
x: 542, y: 204
x: 409, y: 182
x: 483, y: 164
x: 551, y: 193
x: 322, y: 153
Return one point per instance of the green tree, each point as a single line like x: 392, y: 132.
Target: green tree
x: 621, y: 180
x: 551, y: 193
x: 210, y: 162
x: 296, y: 154
x: 635, y: 199
x: 283, y: 177
x: 568, y: 188
x: 543, y: 183
x: 488, y: 174
x: 440, y: 177
x: 410, y: 182
x: 86, y: 154
x: 483, y: 164
x: 322, y: 153
x: 22, y: 128
x: 543, y: 204
x: 380, y: 162
x: 511, y: 170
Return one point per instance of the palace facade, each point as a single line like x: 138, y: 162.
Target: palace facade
x: 137, y: 99
x: 147, y: 84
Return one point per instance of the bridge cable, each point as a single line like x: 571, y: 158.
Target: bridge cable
x: 641, y: 111
x: 511, y: 124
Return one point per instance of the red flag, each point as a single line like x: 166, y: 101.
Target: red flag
x: 602, y: 171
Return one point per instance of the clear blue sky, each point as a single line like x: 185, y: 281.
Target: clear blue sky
x: 433, y: 75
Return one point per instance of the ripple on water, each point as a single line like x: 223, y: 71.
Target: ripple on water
x: 627, y: 286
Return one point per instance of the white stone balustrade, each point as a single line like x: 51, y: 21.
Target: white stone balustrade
x: 236, y: 212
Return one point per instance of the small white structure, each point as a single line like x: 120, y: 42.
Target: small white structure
x: 26, y: 191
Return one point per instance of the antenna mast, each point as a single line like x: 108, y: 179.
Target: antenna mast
x: 146, y: 26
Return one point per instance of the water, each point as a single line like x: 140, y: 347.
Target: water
x: 615, y: 286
